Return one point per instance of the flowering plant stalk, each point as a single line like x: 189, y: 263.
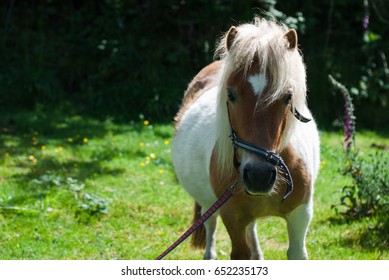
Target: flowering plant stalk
x: 368, y: 194
x: 348, y: 117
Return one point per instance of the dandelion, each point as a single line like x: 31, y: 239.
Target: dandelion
x: 142, y: 164
x: 159, y: 232
x: 70, y: 140
x: 141, y: 144
x: 33, y: 159
x: 161, y: 171
x: 166, y: 142
x: 85, y: 140
x: 146, y: 122
x: 153, y: 156
x: 43, y: 147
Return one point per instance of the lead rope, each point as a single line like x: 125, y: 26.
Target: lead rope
x: 228, y: 193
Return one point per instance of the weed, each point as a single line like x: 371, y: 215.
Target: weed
x: 86, y: 204
x: 368, y: 194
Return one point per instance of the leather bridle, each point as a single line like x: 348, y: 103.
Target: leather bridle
x: 269, y: 156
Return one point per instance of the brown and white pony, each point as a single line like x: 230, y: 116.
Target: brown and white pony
x: 257, y: 94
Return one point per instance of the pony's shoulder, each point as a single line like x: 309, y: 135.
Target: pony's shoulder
x: 207, y: 78
x: 204, y: 80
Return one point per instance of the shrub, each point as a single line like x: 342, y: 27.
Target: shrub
x: 368, y: 193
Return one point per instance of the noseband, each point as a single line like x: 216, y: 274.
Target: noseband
x: 269, y: 156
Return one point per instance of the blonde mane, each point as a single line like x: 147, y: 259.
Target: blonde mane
x: 262, y: 41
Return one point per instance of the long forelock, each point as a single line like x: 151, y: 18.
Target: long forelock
x: 263, y: 43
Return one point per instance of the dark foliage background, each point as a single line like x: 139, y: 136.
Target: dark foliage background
x: 123, y: 58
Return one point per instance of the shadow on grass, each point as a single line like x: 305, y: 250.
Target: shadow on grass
x: 50, y: 177
x: 374, y: 236
x: 53, y: 126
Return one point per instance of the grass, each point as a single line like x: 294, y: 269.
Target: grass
x: 72, y: 187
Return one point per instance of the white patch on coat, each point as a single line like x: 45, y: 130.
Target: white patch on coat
x: 297, y: 222
x: 305, y: 140
x: 258, y: 83
x: 192, y: 148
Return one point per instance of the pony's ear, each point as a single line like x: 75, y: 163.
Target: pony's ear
x: 231, y: 37
x: 291, y: 39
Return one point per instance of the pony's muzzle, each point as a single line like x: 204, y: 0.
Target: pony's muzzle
x: 259, y: 177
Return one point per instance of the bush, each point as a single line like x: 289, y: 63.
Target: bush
x: 368, y: 194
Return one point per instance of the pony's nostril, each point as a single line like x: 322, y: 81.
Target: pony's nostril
x: 273, y: 177
x: 246, y: 176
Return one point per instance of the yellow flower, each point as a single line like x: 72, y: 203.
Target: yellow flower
x: 43, y: 147
x: 161, y: 171
x: 146, y: 122
x: 142, y: 164
x: 159, y: 232
x: 85, y: 140
x: 33, y: 159
x: 70, y: 140
x: 166, y: 142
x: 141, y: 144
x: 153, y: 156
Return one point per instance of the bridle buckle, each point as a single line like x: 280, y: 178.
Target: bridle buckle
x: 273, y: 158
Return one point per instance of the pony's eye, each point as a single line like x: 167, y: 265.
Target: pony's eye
x: 231, y: 95
x: 288, y: 96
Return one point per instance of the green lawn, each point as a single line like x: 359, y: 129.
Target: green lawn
x: 73, y: 187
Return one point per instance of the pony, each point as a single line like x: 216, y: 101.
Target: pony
x: 244, y: 118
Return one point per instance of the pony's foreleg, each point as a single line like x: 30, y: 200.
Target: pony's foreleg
x: 237, y: 230
x: 252, y: 238
x: 298, y: 221
x: 210, y: 229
